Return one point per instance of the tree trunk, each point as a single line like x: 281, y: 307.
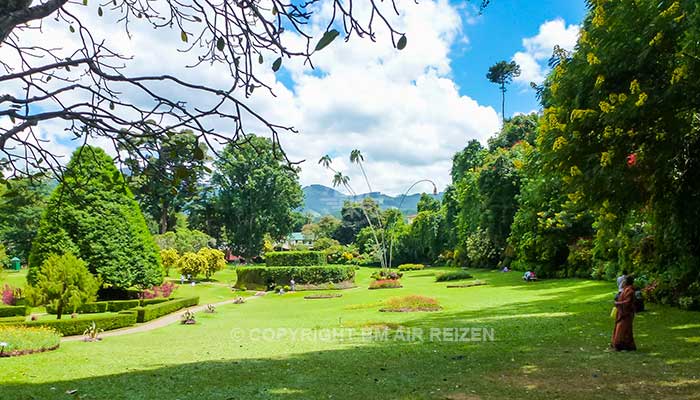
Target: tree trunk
x: 164, y: 218
x: 59, y: 310
x: 503, y: 103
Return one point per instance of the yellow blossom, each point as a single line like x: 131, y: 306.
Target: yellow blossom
x: 598, y: 16
x: 592, y: 59
x: 622, y: 97
x: 574, y: 171
x: 559, y: 143
x: 604, y: 159
x: 599, y: 81
x: 642, y: 99
x: 634, y: 87
x: 679, y: 74
x: 657, y: 39
x: 605, y: 107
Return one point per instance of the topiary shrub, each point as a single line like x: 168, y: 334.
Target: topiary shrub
x: 192, y: 264
x: 294, y: 258
x: 272, y: 276
x: 411, y: 267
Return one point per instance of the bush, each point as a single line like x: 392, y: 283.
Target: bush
x: 453, y: 276
x: 8, y: 295
x: 76, y: 326
x: 385, y: 284
x: 271, y: 276
x: 169, y: 258
x: 153, y: 311
x: 295, y: 258
x: 411, y: 267
x: 192, y: 264
x: 164, y: 290
x: 24, y: 340
x: 13, y: 311
x: 215, y: 260
x: 119, y: 305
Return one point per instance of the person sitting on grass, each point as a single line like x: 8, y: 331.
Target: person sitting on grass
x: 529, y: 276
x: 622, y: 338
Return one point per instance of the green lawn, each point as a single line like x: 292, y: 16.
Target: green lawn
x: 550, y: 338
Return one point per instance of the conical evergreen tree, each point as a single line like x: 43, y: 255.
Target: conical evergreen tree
x: 93, y: 214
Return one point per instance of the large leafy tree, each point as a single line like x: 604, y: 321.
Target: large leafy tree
x: 93, y: 214
x: 622, y: 126
x: 502, y: 73
x: 257, y: 194
x: 21, y: 206
x: 165, y: 172
x: 354, y: 217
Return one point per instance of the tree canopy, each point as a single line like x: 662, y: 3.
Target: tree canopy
x: 94, y: 215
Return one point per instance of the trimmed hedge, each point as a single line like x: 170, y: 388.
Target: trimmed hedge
x: 411, y: 267
x: 12, y: 320
x: 272, y: 276
x: 77, y: 326
x: 119, y: 305
x: 100, y: 307
x: 93, y: 308
x: 14, y: 311
x: 453, y: 276
x: 146, y: 302
x: 295, y: 258
x: 153, y: 311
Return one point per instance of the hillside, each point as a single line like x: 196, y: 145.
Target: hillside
x: 322, y: 200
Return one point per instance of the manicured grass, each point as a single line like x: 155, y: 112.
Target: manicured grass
x: 549, y: 342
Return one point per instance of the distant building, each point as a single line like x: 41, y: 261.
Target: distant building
x: 295, y: 239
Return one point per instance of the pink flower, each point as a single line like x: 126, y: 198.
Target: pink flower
x: 632, y: 160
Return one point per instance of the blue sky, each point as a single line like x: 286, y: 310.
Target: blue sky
x: 497, y: 35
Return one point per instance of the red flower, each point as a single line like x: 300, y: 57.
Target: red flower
x: 632, y: 160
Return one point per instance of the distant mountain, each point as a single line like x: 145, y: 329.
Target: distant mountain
x: 321, y: 200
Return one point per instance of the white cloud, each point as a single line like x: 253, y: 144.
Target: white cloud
x: 400, y: 108
x: 538, y: 49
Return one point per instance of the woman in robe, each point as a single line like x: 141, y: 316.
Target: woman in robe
x: 622, y: 338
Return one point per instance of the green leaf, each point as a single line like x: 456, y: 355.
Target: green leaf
x: 85, y: 2
x: 71, y: 29
x: 198, y: 153
x: 260, y: 59
x: 402, y: 43
x: 196, y: 18
x: 274, y: 9
x: 327, y: 38
x: 277, y: 64
x: 12, y: 118
x: 220, y: 44
x: 99, y: 11
x: 183, y: 36
x: 111, y: 105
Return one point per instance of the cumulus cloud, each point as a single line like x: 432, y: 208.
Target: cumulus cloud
x: 400, y: 108
x: 538, y: 49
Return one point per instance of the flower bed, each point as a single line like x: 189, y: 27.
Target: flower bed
x: 411, y: 267
x: 21, y: 340
x: 453, y: 276
x: 411, y: 303
x: 323, y: 296
x: 385, y: 284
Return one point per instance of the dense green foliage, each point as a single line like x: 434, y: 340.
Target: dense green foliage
x: 165, y: 172
x: 453, y: 276
x: 22, y: 203
x: 64, y: 283
x: 257, y: 193
x: 294, y: 258
x: 154, y: 311
x: 93, y: 215
x: 273, y: 276
x: 411, y: 267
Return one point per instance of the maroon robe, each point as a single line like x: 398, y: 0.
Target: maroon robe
x: 622, y: 338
